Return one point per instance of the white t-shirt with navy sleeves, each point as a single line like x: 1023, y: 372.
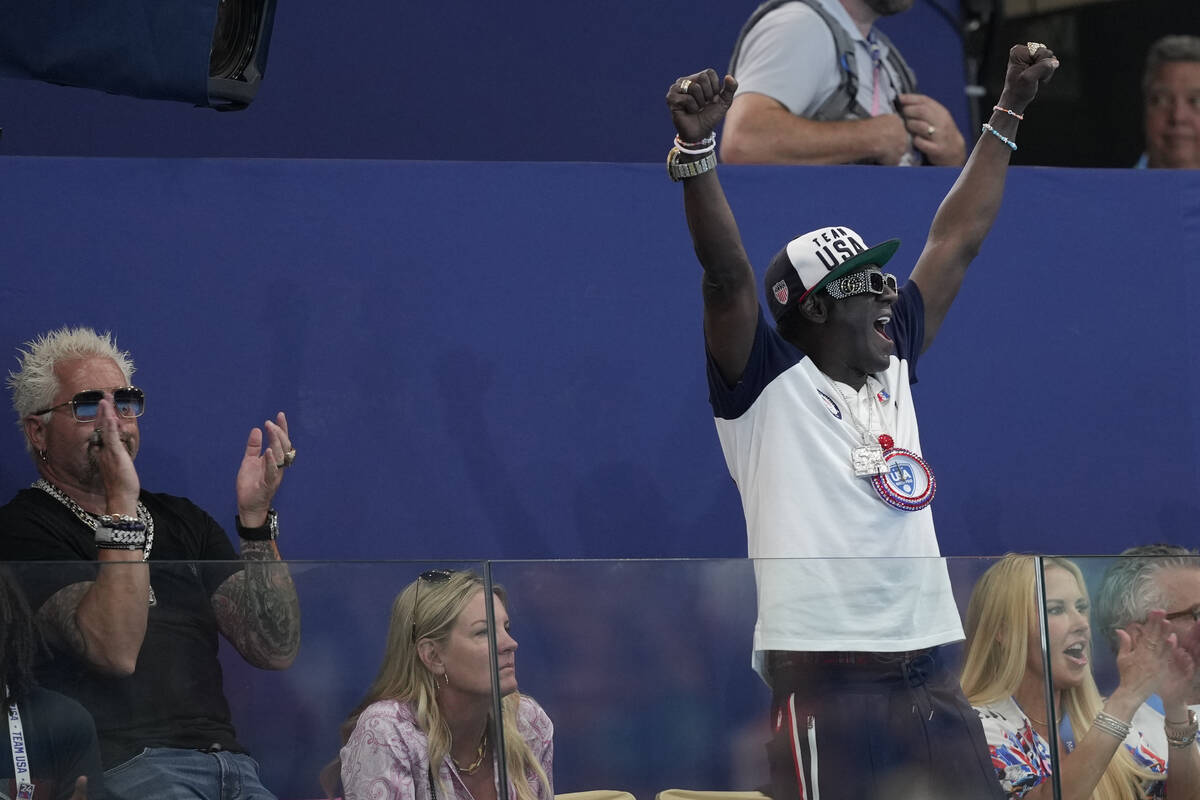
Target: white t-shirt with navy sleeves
x: 837, y: 568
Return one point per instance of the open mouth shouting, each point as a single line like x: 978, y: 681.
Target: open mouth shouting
x: 881, y: 323
x: 1077, y: 654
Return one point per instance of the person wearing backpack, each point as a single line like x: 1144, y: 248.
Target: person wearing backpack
x: 819, y: 84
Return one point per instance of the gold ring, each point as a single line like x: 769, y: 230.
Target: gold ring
x: 288, y: 458
x: 929, y: 133
x: 685, y: 84
x: 1033, y: 48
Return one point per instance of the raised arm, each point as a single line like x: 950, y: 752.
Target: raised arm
x: 969, y: 209
x: 104, y: 621
x: 697, y: 104
x: 257, y: 608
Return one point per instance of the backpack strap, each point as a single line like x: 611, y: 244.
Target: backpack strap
x: 843, y: 102
x: 759, y: 13
x: 900, y: 67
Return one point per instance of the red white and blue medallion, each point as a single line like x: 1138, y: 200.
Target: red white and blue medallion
x: 907, y: 483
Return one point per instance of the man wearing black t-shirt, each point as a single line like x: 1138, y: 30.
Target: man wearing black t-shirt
x: 138, y: 646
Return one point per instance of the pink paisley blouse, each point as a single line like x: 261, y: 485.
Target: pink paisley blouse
x: 387, y: 756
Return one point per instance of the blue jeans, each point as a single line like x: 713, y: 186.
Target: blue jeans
x: 168, y: 773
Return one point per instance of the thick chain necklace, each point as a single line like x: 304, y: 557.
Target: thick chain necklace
x: 474, y: 766
x: 93, y: 520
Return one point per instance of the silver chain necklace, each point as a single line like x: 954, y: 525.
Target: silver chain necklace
x: 93, y: 521
x: 852, y: 402
x: 867, y: 459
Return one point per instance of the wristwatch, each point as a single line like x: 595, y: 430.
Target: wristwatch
x: 678, y: 170
x: 267, y: 532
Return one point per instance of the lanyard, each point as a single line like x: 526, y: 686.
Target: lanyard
x: 16, y: 735
x: 877, y: 65
x: 1066, y: 735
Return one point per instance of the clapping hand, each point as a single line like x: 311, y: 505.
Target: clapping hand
x: 1151, y: 661
x: 261, y: 471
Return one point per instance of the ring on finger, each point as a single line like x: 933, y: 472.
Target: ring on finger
x: 289, y: 458
x: 684, y: 85
x: 1033, y: 48
x: 930, y: 131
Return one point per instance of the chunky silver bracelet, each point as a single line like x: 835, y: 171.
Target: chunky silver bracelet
x: 1113, y: 726
x: 111, y: 538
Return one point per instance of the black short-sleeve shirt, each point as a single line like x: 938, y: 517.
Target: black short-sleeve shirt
x: 174, y: 698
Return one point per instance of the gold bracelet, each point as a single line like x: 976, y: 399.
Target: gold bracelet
x: 1181, y: 734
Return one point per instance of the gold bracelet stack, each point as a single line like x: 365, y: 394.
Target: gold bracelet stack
x: 1181, y: 734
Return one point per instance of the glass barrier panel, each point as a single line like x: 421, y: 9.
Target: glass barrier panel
x: 646, y: 669
x: 190, y: 687
x: 1124, y: 644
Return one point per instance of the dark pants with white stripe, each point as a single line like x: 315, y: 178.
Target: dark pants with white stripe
x: 861, y: 726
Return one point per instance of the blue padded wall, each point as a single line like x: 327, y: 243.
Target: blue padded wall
x: 505, y: 360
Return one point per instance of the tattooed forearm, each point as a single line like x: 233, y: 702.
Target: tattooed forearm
x: 257, y: 608
x: 102, y: 622
x: 57, y: 620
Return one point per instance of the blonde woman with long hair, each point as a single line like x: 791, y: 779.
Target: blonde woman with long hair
x: 1101, y: 756
x: 424, y: 729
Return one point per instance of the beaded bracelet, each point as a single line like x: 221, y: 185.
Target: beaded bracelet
x: 706, y: 145
x: 989, y: 129
x: 707, y: 140
x: 1112, y: 726
x: 121, y: 522
x: 1008, y: 111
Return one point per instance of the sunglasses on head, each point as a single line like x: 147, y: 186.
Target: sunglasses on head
x: 130, y: 401
x: 429, y: 576
x: 860, y: 283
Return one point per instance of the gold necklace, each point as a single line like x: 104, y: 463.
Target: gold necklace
x: 1034, y: 719
x: 477, y: 763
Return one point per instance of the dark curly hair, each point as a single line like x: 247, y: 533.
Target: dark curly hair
x: 18, y: 643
